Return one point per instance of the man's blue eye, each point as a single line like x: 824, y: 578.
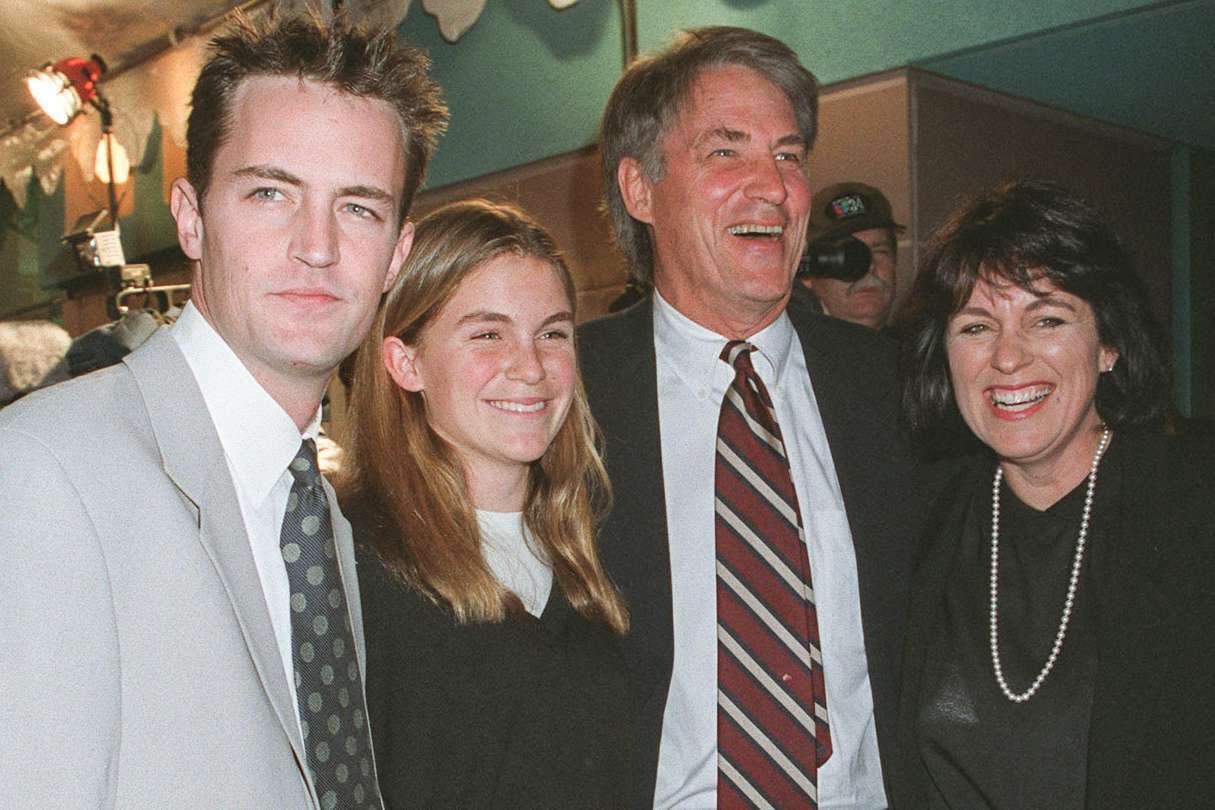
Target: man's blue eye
x: 362, y: 211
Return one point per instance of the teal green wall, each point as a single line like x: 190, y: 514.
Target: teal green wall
x: 527, y: 82
x: 524, y: 83
x: 1153, y: 71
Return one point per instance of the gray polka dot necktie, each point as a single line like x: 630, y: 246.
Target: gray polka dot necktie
x: 328, y: 686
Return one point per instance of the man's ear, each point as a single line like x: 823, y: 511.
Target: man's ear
x: 635, y: 189
x: 399, y: 254
x: 401, y: 362
x: 183, y: 202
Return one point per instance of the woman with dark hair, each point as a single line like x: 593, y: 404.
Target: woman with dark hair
x: 473, y: 480
x: 1060, y: 649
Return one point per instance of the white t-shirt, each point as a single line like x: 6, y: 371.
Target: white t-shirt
x: 512, y: 556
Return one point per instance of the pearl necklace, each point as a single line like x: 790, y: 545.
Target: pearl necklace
x: 1071, y: 585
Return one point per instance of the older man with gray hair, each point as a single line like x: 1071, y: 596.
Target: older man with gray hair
x: 761, y: 513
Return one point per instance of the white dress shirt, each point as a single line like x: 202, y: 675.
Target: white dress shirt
x: 692, y: 382
x: 259, y: 441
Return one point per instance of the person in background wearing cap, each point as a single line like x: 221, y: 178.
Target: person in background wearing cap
x: 856, y: 210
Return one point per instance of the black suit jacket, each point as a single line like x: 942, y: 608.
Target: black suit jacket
x: 1152, y: 726
x: 852, y: 371
x: 527, y: 713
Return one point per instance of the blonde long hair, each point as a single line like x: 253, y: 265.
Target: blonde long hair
x: 412, y: 481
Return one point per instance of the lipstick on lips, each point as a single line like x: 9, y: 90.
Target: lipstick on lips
x: 1012, y: 402
x: 524, y: 405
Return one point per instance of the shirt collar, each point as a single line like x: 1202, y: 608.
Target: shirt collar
x: 257, y: 435
x: 699, y: 348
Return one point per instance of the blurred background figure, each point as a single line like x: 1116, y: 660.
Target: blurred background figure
x: 1059, y: 638
x: 33, y: 354
x: 855, y: 210
x: 472, y: 478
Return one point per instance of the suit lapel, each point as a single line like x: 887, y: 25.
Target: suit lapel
x: 636, y: 542
x: 622, y: 386
x: 855, y: 448
x: 859, y: 415
x: 194, y: 460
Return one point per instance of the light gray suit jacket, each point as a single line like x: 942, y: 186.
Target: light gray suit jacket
x: 138, y: 663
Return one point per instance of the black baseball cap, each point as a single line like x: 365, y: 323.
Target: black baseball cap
x: 845, y: 208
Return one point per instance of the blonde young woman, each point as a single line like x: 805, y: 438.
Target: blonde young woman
x: 472, y: 479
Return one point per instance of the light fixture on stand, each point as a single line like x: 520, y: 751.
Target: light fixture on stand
x: 62, y: 89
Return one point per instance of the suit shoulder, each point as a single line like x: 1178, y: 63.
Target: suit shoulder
x: 610, y: 330
x: 844, y: 337
x: 94, y: 427
x: 610, y: 346
x: 868, y: 358
x: 89, y: 402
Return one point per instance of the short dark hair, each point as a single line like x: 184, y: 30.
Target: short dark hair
x: 652, y: 93
x: 1024, y: 232
x: 362, y: 63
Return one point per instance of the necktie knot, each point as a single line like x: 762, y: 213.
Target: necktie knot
x: 303, y: 467
x: 747, y: 382
x: 737, y: 353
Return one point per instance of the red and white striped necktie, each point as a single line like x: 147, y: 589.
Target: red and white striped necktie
x: 772, y: 731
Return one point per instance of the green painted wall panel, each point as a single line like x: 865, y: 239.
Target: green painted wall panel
x: 840, y: 40
x: 526, y: 81
x: 150, y: 227
x: 1153, y: 71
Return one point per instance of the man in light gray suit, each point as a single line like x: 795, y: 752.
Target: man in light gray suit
x: 181, y: 625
